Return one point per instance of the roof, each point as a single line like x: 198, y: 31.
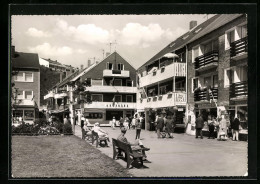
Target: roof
x: 53, y: 62
x: 195, y: 33
x: 84, y: 71
x: 25, y: 60
x: 67, y: 79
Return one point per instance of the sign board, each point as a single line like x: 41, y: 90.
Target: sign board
x: 180, y: 98
x: 206, y: 105
x: 180, y: 109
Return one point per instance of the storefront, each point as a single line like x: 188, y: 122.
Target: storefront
x: 29, y: 114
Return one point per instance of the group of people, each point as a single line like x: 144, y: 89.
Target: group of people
x: 220, y: 125
x: 165, y: 125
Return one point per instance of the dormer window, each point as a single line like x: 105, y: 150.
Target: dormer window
x: 185, y: 37
x: 120, y: 66
x: 196, y: 31
x: 109, y: 66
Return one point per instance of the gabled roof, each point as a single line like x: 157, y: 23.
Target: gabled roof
x: 25, y: 60
x: 53, y: 62
x: 83, y: 72
x: 195, y: 33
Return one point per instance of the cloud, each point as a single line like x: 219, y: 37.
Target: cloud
x: 80, y: 51
x: 46, y: 50
x: 37, y: 33
x: 172, y: 35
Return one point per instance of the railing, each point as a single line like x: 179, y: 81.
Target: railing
x: 111, y: 105
x: 112, y: 89
x: 238, y: 47
x: 26, y: 102
x: 239, y: 89
x: 206, y: 59
x: 116, y: 73
x: 175, y: 69
x: 201, y: 95
x: 57, y: 107
x: 166, y: 100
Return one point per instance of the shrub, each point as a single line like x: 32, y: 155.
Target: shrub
x: 26, y: 129
x: 67, y: 129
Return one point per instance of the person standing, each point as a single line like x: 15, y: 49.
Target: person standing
x: 169, y: 126
x: 159, y: 127
x: 199, y: 125
x: 133, y: 122
x: 113, y: 124
x: 138, y: 129
x: 222, y: 128
x: 211, y: 128
x: 235, y: 129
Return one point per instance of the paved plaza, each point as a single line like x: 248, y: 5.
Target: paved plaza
x: 184, y: 155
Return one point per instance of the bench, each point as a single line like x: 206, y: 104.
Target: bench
x: 85, y: 135
x: 119, y: 146
x: 99, y: 140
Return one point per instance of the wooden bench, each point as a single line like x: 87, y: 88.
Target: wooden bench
x: 98, y: 139
x: 119, y: 146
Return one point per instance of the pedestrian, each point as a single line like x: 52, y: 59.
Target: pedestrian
x: 121, y: 122
x: 113, y: 123
x: 199, y: 123
x: 235, y: 128
x: 159, y: 126
x: 222, y: 128
x: 169, y: 126
x: 138, y: 129
x: 130, y: 121
x: 133, y: 122
x: 211, y: 127
x: 126, y: 123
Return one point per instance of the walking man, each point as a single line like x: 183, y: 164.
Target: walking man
x: 235, y: 128
x: 199, y: 125
x: 160, y: 124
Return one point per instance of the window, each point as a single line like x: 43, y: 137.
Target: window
x: 241, y: 73
x: 24, y: 77
x: 129, y: 83
x: 129, y: 98
x: 242, y: 31
x: 181, y: 57
x: 118, y: 82
x: 20, y: 94
x: 28, y: 114
x: 215, y: 81
x: 229, y: 77
x: 180, y: 86
x: 118, y: 98
x: 151, y: 92
x: 207, y: 81
x: 230, y: 37
x: 28, y: 95
x: 109, y: 66
x: 195, y: 84
x: 96, y: 82
x: 209, y: 46
x: 120, y: 66
x: 18, y: 113
x: 93, y: 115
x: 97, y: 98
x: 163, y: 90
x: 195, y: 53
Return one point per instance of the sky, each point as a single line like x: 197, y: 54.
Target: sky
x: 74, y: 39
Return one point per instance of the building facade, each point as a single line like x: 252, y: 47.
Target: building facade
x: 217, y: 70
x: 26, y: 89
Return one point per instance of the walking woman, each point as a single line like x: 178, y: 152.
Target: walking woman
x: 138, y: 129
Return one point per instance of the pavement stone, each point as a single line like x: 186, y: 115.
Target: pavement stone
x: 183, y: 156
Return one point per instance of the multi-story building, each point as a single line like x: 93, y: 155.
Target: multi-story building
x: 162, y: 79
x: 26, y: 89
x: 217, y: 69
x: 102, y: 91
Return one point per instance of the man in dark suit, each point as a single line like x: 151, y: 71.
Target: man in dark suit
x: 160, y: 124
x: 199, y: 125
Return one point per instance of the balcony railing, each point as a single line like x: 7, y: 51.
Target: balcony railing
x: 175, y: 69
x: 238, y: 47
x: 201, y: 95
x: 238, y: 90
x: 57, y: 107
x: 116, y: 73
x: 112, y: 89
x: 111, y: 105
x: 207, y: 60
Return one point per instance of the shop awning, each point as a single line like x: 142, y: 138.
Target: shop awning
x: 170, y: 55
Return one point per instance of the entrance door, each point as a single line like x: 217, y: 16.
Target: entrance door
x: 116, y: 114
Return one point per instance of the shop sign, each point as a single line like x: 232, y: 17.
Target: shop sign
x: 204, y: 106
x: 180, y: 98
x: 180, y: 109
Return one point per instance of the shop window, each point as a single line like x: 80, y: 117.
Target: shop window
x: 93, y: 115
x: 109, y: 66
x: 118, y: 82
x: 118, y: 98
x: 96, y: 82
x: 18, y: 113
x: 28, y: 114
x: 129, y: 98
x: 97, y: 98
x: 120, y: 66
x: 28, y: 95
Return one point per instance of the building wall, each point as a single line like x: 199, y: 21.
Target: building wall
x: 33, y: 86
x: 224, y: 61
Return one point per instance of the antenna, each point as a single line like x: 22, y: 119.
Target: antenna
x: 112, y: 43
x: 103, y: 51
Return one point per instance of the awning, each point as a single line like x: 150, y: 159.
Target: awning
x: 170, y: 55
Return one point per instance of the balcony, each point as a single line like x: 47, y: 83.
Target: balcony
x: 206, y: 61
x: 238, y: 49
x: 116, y: 73
x: 201, y: 95
x: 238, y: 91
x: 165, y: 100
x: 112, y: 89
x: 110, y: 105
x: 25, y: 102
x: 175, y: 69
x: 60, y: 95
x: 49, y: 95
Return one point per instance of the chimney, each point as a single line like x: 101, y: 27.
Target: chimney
x: 81, y: 67
x: 107, y: 54
x: 13, y: 51
x: 193, y: 23
x: 89, y: 63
